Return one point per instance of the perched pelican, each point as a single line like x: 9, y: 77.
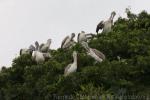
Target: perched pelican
x: 38, y: 56
x: 71, y: 67
x: 106, y: 25
x: 94, y: 53
x: 27, y: 51
x: 68, y: 41
x: 45, y: 47
x: 84, y: 37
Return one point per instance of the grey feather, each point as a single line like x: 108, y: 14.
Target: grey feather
x: 78, y: 37
x: 20, y: 51
x: 36, y: 45
x: 100, y: 26
x: 63, y: 42
x: 100, y: 54
x: 31, y: 47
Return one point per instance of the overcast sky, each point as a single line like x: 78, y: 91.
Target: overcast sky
x: 22, y: 22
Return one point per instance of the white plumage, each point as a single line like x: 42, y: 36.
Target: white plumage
x: 71, y: 67
x: 38, y: 57
x: 84, y: 37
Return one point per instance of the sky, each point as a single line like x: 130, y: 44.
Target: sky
x: 22, y: 22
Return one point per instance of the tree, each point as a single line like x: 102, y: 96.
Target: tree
x: 129, y: 40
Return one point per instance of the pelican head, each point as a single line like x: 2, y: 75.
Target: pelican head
x: 113, y: 14
x: 82, y: 32
x: 85, y: 45
x: 72, y: 35
x: 49, y: 40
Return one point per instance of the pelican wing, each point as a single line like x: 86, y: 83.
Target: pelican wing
x: 100, y: 54
x: 41, y: 46
x: 100, y: 26
x: 78, y: 37
x: 63, y: 42
x: 31, y: 47
x: 37, y: 45
x: 66, y: 69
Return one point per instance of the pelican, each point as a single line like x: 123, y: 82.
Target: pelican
x: 94, y: 53
x: 45, y: 47
x: 24, y: 51
x: 71, y: 67
x: 68, y: 41
x: 27, y: 51
x: 84, y: 37
x: 106, y: 25
x: 38, y: 56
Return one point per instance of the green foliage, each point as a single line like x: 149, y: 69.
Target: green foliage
x: 129, y: 39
